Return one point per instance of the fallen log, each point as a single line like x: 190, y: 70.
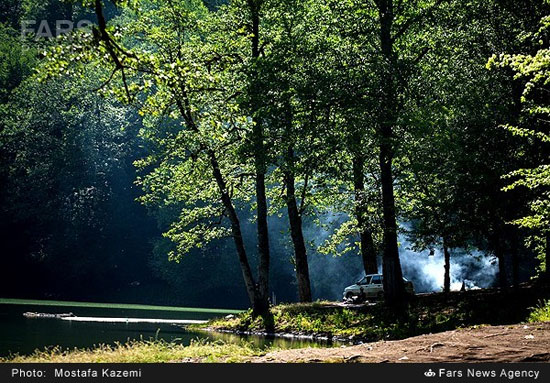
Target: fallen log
x: 30, y: 314
x: 132, y: 320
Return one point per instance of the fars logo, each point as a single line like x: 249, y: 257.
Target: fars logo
x: 429, y: 373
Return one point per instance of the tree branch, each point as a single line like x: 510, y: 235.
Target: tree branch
x: 426, y: 12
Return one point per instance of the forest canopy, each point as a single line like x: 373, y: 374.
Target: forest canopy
x: 236, y: 152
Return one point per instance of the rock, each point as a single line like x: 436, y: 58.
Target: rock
x: 352, y: 358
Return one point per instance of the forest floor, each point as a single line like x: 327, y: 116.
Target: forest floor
x: 370, y: 322
x: 511, y: 343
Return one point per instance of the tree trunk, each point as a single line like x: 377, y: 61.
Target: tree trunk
x: 260, y: 170
x: 447, y: 277
x: 368, y: 252
x: 257, y: 297
x: 251, y: 287
x: 499, y: 253
x: 547, y: 256
x: 295, y: 221
x: 515, y: 261
x: 235, y: 231
x: 502, y: 280
x: 393, y: 279
x: 515, y: 269
x: 263, y: 237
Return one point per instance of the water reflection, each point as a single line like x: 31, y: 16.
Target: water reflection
x: 24, y: 335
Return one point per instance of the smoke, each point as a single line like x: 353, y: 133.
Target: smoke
x: 330, y: 274
x: 475, y: 269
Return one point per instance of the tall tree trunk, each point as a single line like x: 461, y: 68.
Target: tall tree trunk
x: 499, y: 253
x: 368, y: 251
x: 262, y: 301
x: 515, y: 269
x: 447, y: 266
x: 515, y: 261
x: 547, y: 256
x: 251, y: 287
x: 235, y: 231
x: 295, y: 221
x: 258, y: 298
x: 394, y: 290
x: 502, y: 280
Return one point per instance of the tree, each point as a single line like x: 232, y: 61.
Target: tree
x: 397, y: 27
x: 183, y: 81
x: 279, y: 77
x: 534, y: 71
x: 65, y: 152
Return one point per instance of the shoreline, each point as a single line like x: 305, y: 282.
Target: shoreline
x: 287, y: 335
x: 104, y: 305
x: 486, y: 344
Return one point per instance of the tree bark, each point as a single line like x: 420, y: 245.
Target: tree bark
x: 250, y: 284
x: 499, y: 253
x: 515, y: 261
x: 257, y: 296
x: 368, y: 251
x: 251, y: 287
x: 447, y: 266
x: 262, y: 301
x: 547, y: 256
x: 296, y: 232
x: 235, y: 231
x: 394, y: 290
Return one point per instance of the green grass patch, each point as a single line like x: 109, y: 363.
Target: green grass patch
x: 541, y: 313
x: 326, y: 319
x: 423, y: 314
x: 121, y: 306
x: 144, y: 352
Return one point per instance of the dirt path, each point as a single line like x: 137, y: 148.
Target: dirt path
x: 514, y: 343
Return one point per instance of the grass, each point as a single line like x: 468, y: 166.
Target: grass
x: 324, y: 319
x: 157, y: 351
x: 541, y: 313
x: 424, y: 314
x: 113, y: 306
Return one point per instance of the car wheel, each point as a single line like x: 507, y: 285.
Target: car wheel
x: 349, y: 295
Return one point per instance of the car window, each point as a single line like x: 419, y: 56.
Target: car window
x: 364, y: 281
x: 376, y: 280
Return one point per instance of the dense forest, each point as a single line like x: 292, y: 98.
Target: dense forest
x: 232, y: 153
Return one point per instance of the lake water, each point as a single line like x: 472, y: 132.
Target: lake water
x: 24, y: 335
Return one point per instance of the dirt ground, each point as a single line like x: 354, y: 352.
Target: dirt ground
x: 513, y: 343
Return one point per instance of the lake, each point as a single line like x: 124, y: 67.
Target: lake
x: 24, y: 335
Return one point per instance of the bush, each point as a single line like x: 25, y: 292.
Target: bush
x: 541, y: 313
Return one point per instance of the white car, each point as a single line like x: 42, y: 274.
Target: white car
x: 371, y: 286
